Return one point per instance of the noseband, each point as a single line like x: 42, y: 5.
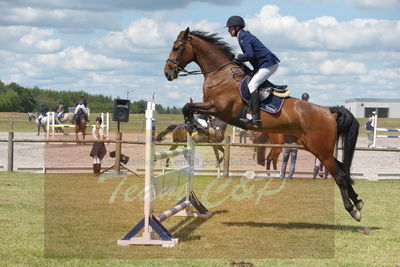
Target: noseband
x: 181, y: 50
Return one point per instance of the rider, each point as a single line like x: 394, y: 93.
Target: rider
x: 42, y: 113
x: 60, y: 110
x: 264, y: 62
x: 305, y: 97
x: 203, y: 120
x: 81, y: 105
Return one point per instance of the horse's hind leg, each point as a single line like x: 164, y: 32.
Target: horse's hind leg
x: 359, y: 203
x: 339, y: 175
x: 324, y: 151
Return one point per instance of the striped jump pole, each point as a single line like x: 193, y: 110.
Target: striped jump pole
x: 157, y: 185
x: 376, y: 130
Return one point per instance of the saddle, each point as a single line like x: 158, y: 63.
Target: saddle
x: 271, y: 96
x: 266, y: 88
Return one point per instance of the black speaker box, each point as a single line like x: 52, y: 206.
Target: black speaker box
x: 121, y: 110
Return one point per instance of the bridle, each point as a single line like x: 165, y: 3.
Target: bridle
x: 178, y: 62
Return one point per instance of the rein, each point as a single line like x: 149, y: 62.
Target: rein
x: 196, y: 72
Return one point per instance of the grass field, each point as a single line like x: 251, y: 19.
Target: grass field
x: 75, y: 220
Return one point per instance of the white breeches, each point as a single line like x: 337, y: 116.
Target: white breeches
x: 203, y: 123
x: 81, y: 106
x: 261, y: 76
x: 96, y: 160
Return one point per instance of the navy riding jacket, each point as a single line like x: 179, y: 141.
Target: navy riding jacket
x: 255, y: 52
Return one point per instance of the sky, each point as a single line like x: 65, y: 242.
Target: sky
x: 333, y: 50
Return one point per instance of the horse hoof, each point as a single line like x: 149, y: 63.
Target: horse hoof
x: 356, y: 215
x: 360, y: 205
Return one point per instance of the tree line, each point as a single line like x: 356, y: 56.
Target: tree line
x: 16, y: 98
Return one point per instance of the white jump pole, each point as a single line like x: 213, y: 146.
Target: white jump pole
x: 54, y: 123
x: 108, y: 124
x: 48, y: 128
x: 152, y: 224
x: 375, y: 124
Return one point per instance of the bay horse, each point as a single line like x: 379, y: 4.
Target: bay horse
x: 214, y: 134
x: 317, y: 127
x: 273, y: 155
x: 80, y: 124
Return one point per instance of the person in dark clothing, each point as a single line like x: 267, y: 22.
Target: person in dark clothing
x: 289, y: 152
x: 81, y: 104
x: 42, y: 113
x: 264, y: 62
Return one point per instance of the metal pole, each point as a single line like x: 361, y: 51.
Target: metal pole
x: 118, y: 153
x: 227, y: 152
x: 10, y: 151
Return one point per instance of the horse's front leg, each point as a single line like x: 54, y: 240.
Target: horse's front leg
x: 196, y: 108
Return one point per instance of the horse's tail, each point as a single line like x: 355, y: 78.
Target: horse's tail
x: 169, y: 129
x: 347, y: 128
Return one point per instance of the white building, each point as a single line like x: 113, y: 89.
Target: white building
x: 363, y: 107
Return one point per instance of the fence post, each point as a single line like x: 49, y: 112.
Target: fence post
x: 227, y: 152
x: 10, y: 152
x: 118, y: 153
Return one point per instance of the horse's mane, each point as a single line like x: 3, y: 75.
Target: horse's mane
x: 217, y: 41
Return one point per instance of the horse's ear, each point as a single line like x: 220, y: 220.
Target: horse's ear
x: 186, y: 33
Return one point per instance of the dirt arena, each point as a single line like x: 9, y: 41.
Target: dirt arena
x: 36, y: 156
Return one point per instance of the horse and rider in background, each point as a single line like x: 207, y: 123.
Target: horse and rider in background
x: 213, y: 132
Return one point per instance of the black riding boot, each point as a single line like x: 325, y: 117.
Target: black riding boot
x: 255, y: 108
x: 255, y: 122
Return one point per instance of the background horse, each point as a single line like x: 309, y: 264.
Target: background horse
x: 273, y: 155
x: 68, y: 117
x: 43, y: 122
x: 80, y: 124
x: 215, y: 134
x: 317, y: 127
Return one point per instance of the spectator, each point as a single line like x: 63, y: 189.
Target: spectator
x: 99, y: 149
x: 370, y: 127
x: 289, y: 152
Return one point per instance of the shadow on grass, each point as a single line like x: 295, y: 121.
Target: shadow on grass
x: 303, y: 226
x: 184, y: 229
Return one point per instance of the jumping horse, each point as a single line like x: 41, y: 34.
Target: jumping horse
x: 317, y: 127
x: 214, y: 134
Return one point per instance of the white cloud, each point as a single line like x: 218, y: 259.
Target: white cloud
x: 373, y: 4
x: 79, y: 59
x: 323, y: 32
x: 30, y: 40
x: 333, y: 67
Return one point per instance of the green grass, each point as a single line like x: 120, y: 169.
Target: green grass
x: 81, y: 219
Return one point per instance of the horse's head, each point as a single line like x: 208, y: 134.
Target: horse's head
x: 182, y: 53
x: 30, y: 116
